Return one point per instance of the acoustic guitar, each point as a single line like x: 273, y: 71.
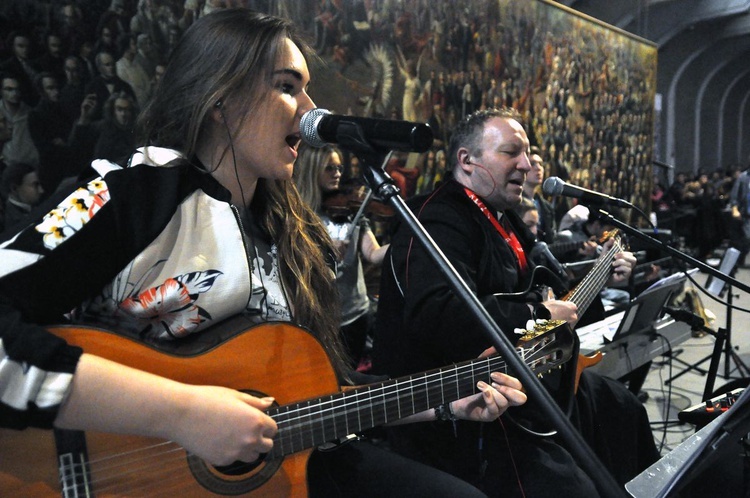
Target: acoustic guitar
x: 273, y: 359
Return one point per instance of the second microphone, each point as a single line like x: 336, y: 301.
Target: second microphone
x: 555, y: 186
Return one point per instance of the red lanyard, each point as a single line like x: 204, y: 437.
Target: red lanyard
x: 510, y: 238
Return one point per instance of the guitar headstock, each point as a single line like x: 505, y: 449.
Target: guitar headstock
x: 545, y: 345
x: 618, y: 236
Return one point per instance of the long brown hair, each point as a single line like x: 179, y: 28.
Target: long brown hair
x: 310, y: 162
x: 232, y: 52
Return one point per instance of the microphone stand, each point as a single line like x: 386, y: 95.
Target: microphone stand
x: 661, y: 164
x: 350, y: 136
x: 698, y: 324
x: 722, y: 337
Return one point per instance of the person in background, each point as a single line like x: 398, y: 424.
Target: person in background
x: 52, y: 59
x: 203, y: 225
x: 6, y: 132
x: 739, y: 204
x: 421, y: 324
x: 318, y: 176
x: 116, y: 17
x: 116, y: 140
x: 532, y: 190
x: 130, y: 70
x: 72, y: 90
x: 529, y: 215
x: 68, y: 20
x: 21, y: 182
x: 158, y: 73
x: 106, y: 82
x: 145, y: 56
x: 106, y: 41
x: 21, y: 67
x: 64, y: 146
x: 541, y: 254
x: 20, y: 148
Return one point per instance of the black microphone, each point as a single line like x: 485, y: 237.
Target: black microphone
x: 685, y: 316
x: 542, y: 249
x: 319, y: 127
x: 555, y: 186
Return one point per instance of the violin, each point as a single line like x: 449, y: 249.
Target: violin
x: 348, y: 202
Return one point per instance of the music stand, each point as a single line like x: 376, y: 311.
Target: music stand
x: 696, y: 454
x: 723, y: 343
x: 719, y: 288
x: 647, y: 308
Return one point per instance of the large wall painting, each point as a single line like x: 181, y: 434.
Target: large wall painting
x: 585, y: 89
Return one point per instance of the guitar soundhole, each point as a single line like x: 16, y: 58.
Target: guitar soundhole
x: 238, y: 468
x: 233, y: 479
x: 236, y: 478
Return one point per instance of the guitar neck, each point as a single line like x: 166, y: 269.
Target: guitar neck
x: 585, y: 292
x: 316, y: 421
x: 313, y: 422
x: 559, y: 248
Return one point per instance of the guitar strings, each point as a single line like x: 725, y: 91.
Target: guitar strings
x: 589, y: 287
x: 496, y: 362
x: 123, y: 475
x: 105, y: 471
x: 593, y: 278
x: 402, y: 390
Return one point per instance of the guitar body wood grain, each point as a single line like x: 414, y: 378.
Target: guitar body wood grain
x: 278, y: 360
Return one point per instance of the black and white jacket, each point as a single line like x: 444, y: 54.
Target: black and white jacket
x: 159, y: 251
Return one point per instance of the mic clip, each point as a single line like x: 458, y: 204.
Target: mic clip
x: 685, y: 316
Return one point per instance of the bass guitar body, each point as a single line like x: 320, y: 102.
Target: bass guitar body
x: 278, y: 360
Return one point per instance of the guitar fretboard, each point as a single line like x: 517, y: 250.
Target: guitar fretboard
x: 585, y: 292
x: 314, y: 422
x: 311, y: 423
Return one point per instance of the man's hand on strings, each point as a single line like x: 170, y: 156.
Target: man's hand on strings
x: 487, y: 405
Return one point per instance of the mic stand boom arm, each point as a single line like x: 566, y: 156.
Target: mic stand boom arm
x: 674, y: 252
x: 382, y: 185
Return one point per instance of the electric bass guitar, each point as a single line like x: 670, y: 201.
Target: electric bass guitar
x: 582, y: 295
x: 273, y: 359
x: 586, y: 291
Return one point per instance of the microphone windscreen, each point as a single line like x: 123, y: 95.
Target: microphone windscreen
x: 308, y: 127
x: 553, y: 186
